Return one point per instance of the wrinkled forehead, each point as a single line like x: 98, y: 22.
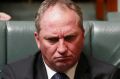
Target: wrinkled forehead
x: 60, y: 32
x: 58, y: 15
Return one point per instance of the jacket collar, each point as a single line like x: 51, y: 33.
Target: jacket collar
x: 83, y: 70
x: 39, y: 70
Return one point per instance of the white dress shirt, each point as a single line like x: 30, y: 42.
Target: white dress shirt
x: 70, y: 73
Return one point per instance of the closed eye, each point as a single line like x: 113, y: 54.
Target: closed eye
x: 69, y: 38
x: 52, y: 40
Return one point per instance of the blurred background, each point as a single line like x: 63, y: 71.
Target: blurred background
x: 92, y: 9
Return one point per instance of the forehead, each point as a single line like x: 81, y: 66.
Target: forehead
x: 63, y: 31
x: 58, y: 12
x: 59, y: 19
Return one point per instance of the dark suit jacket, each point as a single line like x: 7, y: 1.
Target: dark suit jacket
x: 33, y: 68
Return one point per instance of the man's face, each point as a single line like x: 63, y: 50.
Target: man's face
x: 60, y: 38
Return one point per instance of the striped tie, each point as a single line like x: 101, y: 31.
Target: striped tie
x: 60, y: 76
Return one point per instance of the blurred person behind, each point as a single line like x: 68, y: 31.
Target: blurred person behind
x: 4, y: 16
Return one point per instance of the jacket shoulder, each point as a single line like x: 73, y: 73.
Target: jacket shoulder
x: 101, y: 69
x: 19, y: 69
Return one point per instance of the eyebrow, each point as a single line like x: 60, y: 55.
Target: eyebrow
x: 57, y: 36
x: 50, y: 37
x: 71, y: 34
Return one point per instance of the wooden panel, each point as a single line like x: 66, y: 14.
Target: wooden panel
x: 100, y: 9
x: 111, y: 5
x: 103, y: 6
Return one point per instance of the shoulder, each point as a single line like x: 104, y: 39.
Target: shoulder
x: 19, y: 69
x: 95, y: 69
x: 101, y: 69
x: 23, y: 62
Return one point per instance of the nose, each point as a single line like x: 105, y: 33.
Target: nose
x: 62, y: 48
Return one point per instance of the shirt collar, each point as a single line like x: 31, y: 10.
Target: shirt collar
x: 70, y: 73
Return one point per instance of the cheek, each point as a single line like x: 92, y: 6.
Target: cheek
x: 47, y: 49
x: 76, y: 47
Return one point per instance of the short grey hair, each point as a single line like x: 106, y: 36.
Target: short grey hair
x: 48, y: 3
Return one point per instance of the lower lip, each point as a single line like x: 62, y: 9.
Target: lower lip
x: 61, y: 59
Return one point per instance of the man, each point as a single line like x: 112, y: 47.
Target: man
x: 60, y: 38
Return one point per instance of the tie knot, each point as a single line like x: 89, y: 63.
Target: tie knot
x: 59, y: 75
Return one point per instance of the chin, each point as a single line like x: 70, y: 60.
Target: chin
x: 62, y: 67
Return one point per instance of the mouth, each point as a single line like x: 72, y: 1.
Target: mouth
x: 63, y: 59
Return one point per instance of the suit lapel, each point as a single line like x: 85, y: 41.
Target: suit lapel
x: 83, y: 69
x: 39, y: 67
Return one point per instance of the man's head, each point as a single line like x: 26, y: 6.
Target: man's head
x: 60, y: 33
x: 49, y: 3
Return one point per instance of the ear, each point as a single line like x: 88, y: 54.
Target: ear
x: 36, y: 35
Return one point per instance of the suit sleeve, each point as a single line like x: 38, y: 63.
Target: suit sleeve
x: 116, y: 74
x: 7, y: 73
